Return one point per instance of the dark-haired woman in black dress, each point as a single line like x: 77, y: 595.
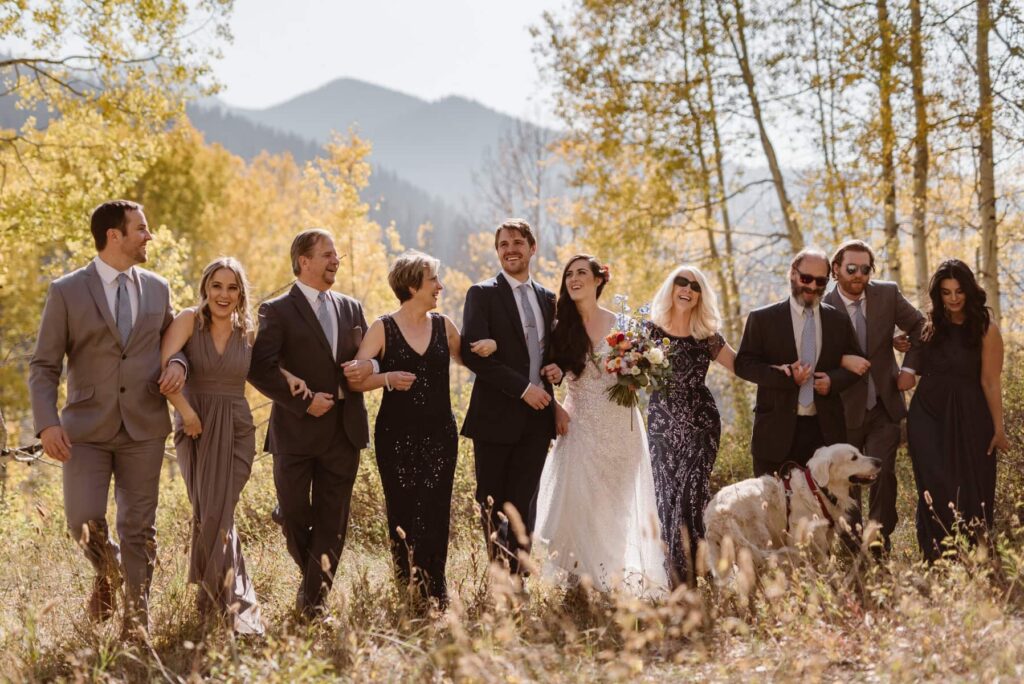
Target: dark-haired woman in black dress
x: 955, y: 424
x: 415, y: 439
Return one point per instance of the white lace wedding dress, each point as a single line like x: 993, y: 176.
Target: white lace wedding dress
x: 596, y: 511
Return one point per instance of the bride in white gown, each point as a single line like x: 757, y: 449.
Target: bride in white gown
x: 597, y: 516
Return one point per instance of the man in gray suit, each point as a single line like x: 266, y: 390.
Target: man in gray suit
x: 107, y: 319
x: 874, y: 406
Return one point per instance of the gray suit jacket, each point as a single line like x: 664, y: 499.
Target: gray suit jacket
x: 107, y: 384
x: 887, y: 309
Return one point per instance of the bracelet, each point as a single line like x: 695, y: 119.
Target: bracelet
x: 387, y: 383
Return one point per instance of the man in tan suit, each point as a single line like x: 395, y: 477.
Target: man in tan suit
x: 107, y: 319
x: 874, y: 406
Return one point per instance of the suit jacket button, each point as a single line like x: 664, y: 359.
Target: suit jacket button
x: 122, y: 390
x: 124, y: 356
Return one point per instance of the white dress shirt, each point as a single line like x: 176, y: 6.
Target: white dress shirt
x: 108, y: 274
x: 311, y: 295
x: 531, y: 296
x: 796, y: 310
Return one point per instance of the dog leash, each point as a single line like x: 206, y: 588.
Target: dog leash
x: 815, y: 489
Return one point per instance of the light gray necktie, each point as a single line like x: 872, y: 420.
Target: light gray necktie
x: 532, y: 336
x: 807, y: 354
x: 323, y: 314
x: 860, y: 324
x: 123, y: 309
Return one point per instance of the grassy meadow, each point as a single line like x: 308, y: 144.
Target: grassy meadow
x: 848, y: 621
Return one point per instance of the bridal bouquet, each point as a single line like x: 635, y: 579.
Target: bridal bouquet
x: 636, y: 357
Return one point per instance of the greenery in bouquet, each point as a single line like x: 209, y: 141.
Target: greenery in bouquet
x: 638, y: 359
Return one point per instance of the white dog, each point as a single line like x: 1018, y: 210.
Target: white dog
x: 770, y: 516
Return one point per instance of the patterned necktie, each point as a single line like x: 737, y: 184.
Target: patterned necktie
x: 532, y: 336
x: 807, y: 354
x: 123, y: 309
x: 323, y: 314
x: 860, y: 324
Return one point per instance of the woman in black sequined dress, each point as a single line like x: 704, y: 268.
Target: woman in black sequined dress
x: 415, y: 440
x: 683, y: 423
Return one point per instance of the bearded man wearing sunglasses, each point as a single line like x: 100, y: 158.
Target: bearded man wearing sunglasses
x: 875, y: 406
x: 793, y: 351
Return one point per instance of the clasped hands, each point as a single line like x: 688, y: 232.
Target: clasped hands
x: 535, y: 396
x: 800, y: 372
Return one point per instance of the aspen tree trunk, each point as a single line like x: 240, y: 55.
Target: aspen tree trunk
x: 987, y: 172
x: 738, y: 39
x: 920, y: 197
x: 886, y: 61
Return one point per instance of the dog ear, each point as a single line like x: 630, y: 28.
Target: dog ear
x: 819, y: 468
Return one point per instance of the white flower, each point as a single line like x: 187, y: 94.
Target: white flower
x: 635, y: 370
x: 655, y: 356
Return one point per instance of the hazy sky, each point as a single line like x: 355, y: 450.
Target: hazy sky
x: 480, y: 49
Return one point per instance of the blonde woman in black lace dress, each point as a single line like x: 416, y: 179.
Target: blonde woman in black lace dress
x: 683, y: 423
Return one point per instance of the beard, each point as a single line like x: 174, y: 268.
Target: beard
x: 798, y: 291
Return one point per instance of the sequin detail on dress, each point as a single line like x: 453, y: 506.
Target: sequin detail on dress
x: 684, y: 427
x: 416, y: 444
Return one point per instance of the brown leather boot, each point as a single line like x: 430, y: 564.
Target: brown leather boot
x: 102, y: 601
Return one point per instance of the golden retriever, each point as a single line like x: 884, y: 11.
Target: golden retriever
x: 753, y: 514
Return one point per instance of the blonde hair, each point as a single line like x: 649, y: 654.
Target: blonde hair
x: 241, y: 317
x: 408, y: 271
x: 705, y: 321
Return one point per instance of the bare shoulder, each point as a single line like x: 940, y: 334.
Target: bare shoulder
x: 449, y: 324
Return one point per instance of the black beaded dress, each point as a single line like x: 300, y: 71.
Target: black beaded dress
x: 416, y: 444
x: 684, y: 429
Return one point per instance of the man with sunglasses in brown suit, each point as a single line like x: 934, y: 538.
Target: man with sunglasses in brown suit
x: 792, y: 351
x: 875, y: 406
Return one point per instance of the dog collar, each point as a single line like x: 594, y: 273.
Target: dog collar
x: 815, y: 489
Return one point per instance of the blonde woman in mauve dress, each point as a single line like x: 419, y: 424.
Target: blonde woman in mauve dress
x: 215, y: 438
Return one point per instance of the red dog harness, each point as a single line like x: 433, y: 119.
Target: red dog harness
x: 814, y: 489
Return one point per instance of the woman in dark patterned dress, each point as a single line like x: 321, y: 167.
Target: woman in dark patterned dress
x: 682, y: 420
x: 415, y: 440
x: 955, y: 423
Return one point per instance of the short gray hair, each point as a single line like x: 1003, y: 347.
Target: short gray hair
x: 407, y: 272
x: 808, y: 252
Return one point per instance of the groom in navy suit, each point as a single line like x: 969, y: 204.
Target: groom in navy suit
x: 511, y: 416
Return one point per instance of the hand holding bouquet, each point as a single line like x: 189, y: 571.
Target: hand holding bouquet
x: 637, y: 358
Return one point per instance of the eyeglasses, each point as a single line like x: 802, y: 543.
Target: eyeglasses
x: 865, y: 269
x: 806, y: 279
x: 683, y: 281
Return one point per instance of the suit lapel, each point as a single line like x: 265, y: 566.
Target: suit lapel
x: 139, y: 285
x: 875, y: 321
x: 786, y: 324
x: 95, y: 284
x: 343, y: 324
x: 301, y: 304
x: 509, y: 301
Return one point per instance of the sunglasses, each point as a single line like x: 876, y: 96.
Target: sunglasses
x: 820, y: 281
x: 683, y: 281
x: 865, y: 269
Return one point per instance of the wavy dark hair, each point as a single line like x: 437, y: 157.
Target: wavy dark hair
x: 570, y: 343
x: 977, y: 315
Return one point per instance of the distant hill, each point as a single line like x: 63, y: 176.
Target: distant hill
x: 434, y: 145
x: 391, y: 197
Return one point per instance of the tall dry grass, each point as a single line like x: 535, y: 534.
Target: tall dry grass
x: 962, y: 619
